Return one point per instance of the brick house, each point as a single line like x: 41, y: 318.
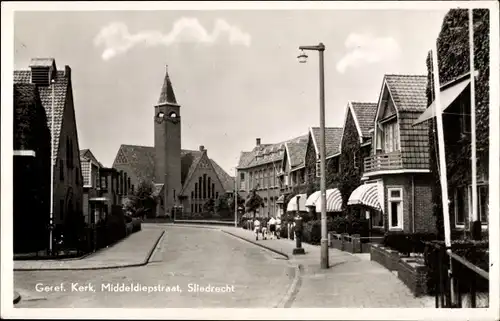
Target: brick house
x: 103, y: 187
x: 355, y: 145
x: 260, y: 169
x: 396, y: 174
x: 191, y: 177
x: 31, y: 170
x: 312, y: 164
x: 55, y: 89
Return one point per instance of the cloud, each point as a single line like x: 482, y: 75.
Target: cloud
x: 116, y: 38
x: 366, y: 49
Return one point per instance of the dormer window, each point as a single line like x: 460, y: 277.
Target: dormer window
x: 43, y: 70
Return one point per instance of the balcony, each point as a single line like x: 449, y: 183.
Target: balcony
x: 383, y: 162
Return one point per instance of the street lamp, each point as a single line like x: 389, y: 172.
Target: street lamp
x: 302, y: 59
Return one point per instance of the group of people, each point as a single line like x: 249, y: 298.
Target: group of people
x: 268, y: 227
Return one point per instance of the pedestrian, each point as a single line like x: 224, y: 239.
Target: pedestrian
x: 264, y: 228
x: 256, y: 228
x: 272, y: 227
x: 278, y: 227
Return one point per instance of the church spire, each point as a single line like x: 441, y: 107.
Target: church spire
x: 167, y: 95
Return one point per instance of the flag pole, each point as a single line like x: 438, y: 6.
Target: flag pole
x: 473, y: 119
x: 442, y: 165
x: 442, y: 157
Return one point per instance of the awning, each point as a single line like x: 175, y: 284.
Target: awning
x: 367, y: 195
x: 292, y: 204
x: 333, y: 201
x: 280, y: 199
x: 313, y: 198
x: 448, y: 96
x: 99, y: 199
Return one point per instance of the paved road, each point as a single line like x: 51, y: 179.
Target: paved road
x: 200, y: 257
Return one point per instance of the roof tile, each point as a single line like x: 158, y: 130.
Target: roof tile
x: 365, y: 114
x: 408, y: 91
x: 333, y: 135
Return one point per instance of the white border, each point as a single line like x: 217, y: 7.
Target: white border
x: 346, y: 314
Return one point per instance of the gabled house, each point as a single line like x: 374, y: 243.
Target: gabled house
x: 56, y: 95
x: 312, y: 157
x: 355, y: 145
x: 31, y: 171
x: 396, y: 174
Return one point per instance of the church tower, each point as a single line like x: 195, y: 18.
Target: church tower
x: 167, y: 125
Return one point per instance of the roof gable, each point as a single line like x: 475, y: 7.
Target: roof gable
x: 333, y: 136
x: 60, y: 87
x: 408, y: 92
x: 87, y: 153
x: 364, y: 115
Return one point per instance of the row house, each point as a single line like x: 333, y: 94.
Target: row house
x: 396, y: 175
x: 311, y: 195
x: 31, y: 170
x: 259, y: 170
x: 55, y: 93
x: 292, y: 176
x: 104, y: 188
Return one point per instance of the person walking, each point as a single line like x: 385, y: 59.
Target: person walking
x: 264, y: 228
x: 272, y: 227
x: 278, y: 227
x: 256, y: 228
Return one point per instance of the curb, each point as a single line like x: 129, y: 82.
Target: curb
x: 17, y: 297
x: 293, y: 289
x: 194, y: 226
x: 258, y: 244
x: 108, y: 267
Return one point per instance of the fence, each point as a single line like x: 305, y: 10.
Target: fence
x: 455, y: 281
x: 352, y: 243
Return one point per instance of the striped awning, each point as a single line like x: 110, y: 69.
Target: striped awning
x: 292, y: 204
x: 280, y: 199
x: 333, y: 201
x: 367, y: 195
x: 313, y: 198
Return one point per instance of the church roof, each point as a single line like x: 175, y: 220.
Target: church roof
x: 141, y: 160
x: 167, y: 95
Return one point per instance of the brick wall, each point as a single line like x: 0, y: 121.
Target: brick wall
x: 424, y: 219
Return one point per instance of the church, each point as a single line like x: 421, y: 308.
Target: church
x: 184, y: 179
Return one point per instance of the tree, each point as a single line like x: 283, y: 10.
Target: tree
x: 254, y: 202
x: 141, y: 201
x: 240, y: 200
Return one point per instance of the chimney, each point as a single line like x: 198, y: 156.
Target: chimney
x: 67, y: 72
x: 258, y: 141
x: 202, y: 148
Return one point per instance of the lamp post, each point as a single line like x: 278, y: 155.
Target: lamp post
x: 51, y: 217
x: 302, y: 59
x: 235, y: 197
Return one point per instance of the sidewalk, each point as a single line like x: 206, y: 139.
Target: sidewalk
x: 352, y: 281
x: 135, y: 250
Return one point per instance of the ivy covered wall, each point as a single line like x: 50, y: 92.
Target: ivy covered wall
x: 453, y: 57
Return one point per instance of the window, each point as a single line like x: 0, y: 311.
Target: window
x: 174, y: 194
x: 459, y: 207
x: 395, y: 200
x: 242, y: 176
x: 104, y: 182
x: 61, y: 210
x: 192, y: 208
x: 356, y: 161
x: 482, y: 203
x: 318, y: 169
x: 391, y: 136
x: 377, y: 218
x: 192, y: 196
x: 61, y: 170
x: 217, y: 195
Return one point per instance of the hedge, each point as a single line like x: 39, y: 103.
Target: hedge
x: 406, y: 243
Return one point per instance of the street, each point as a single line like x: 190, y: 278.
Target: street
x: 191, y: 268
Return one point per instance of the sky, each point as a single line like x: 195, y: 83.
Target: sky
x: 235, y: 73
